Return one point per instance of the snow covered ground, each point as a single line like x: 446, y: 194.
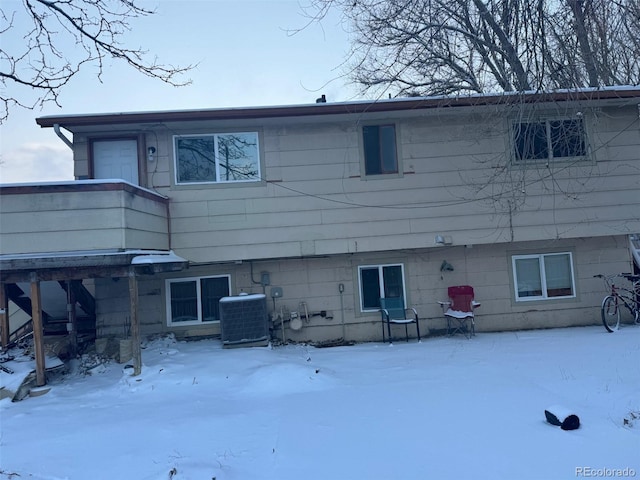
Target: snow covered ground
x: 445, y: 408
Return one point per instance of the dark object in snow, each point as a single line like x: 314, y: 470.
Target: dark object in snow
x: 552, y: 419
x: 572, y: 422
x: 6, y: 369
x: 561, y: 417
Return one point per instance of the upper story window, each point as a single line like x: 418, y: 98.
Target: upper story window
x: 543, y: 276
x: 217, y: 158
x: 547, y: 140
x: 380, y: 152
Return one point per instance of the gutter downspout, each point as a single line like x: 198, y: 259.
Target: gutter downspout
x: 169, y: 243
x: 68, y: 143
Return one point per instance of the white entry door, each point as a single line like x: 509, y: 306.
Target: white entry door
x: 116, y: 159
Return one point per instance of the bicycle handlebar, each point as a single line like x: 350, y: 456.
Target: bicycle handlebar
x: 609, y: 281
x: 629, y: 276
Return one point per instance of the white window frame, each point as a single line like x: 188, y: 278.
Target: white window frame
x: 218, y: 180
x: 543, y: 277
x: 198, y: 280
x: 380, y: 268
x: 546, y: 120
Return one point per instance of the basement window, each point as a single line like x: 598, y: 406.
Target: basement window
x: 543, y: 277
x: 379, y: 281
x: 193, y: 301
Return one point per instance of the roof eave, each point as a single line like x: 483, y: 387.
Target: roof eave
x: 338, y: 108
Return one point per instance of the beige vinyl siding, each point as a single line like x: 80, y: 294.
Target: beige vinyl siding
x: 318, y: 203
x: 82, y: 220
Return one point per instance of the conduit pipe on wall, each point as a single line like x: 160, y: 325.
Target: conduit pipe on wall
x: 344, y: 328
x: 303, y: 306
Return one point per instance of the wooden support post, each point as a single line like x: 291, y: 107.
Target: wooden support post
x: 38, y: 330
x: 72, y: 318
x: 135, y: 323
x: 4, y: 315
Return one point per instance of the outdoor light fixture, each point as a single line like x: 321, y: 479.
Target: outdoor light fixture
x: 443, y: 240
x: 150, y: 153
x: 446, y: 267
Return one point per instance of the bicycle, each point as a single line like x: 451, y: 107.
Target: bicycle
x: 619, y: 296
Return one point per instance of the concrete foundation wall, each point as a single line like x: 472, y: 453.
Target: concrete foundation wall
x: 312, y: 286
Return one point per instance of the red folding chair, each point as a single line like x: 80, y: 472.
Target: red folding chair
x: 458, y: 310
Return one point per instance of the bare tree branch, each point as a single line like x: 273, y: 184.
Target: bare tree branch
x: 57, y: 38
x: 431, y: 47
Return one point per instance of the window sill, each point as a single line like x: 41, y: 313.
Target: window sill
x: 192, y: 324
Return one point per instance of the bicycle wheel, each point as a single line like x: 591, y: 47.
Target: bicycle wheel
x: 610, y: 313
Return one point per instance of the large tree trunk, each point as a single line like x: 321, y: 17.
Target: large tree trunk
x: 578, y: 9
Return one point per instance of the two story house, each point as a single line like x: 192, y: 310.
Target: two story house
x: 327, y: 207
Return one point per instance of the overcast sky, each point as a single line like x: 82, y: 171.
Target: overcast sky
x: 245, y: 57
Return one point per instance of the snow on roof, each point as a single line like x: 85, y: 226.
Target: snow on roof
x: 87, y: 253
x: 75, y: 183
x: 492, y: 94
x: 347, y: 107
x: 157, y: 257
x: 89, y: 258
x: 243, y: 297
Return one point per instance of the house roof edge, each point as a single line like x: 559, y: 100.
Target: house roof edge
x: 337, y: 108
